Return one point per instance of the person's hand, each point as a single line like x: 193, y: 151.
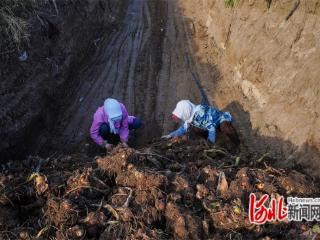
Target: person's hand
x: 109, y: 147
x: 165, y: 136
x: 124, y: 145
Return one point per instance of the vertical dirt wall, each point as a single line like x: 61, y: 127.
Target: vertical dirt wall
x: 268, y: 58
x: 32, y: 92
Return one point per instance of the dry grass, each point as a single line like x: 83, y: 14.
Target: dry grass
x: 14, y: 15
x: 15, y: 28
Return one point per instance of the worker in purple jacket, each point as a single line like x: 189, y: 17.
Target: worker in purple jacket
x: 111, y: 124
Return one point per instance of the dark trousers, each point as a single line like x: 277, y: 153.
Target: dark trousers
x: 225, y: 128
x: 104, y: 131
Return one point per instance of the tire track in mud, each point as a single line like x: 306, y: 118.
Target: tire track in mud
x: 143, y: 65
x: 175, y: 78
x: 111, y: 74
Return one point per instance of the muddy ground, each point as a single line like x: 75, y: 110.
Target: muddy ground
x: 34, y: 92
x: 131, y: 50
x: 142, y: 53
x: 177, y: 189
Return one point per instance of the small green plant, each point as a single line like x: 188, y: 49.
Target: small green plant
x: 230, y: 3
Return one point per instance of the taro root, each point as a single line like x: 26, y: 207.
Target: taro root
x: 41, y: 184
x: 61, y: 212
x: 194, y: 226
x: 125, y: 214
x: 174, y: 197
x: 66, y: 205
x: 182, y: 185
x: 175, y: 221
x: 3, y: 180
x: 93, y: 222
x: 182, y: 223
x: 230, y: 218
x: 75, y: 232
x: 160, y: 205
x: 119, y: 199
x: 94, y: 218
x: 239, y: 186
x: 209, y: 176
x: 222, y: 187
x: 117, y: 161
x: 202, y: 191
x: 24, y: 235
x: 297, y: 183
x: 79, y: 179
x: 260, y: 186
x: 87, y: 185
x: 141, y: 180
x: 130, y: 166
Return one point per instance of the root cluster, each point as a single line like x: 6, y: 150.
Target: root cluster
x: 181, y: 189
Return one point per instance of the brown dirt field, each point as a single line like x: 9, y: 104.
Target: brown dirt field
x: 148, y: 54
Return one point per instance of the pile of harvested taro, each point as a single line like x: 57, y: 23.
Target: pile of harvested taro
x: 177, y: 189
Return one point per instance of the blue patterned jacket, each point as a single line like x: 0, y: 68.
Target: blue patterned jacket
x: 206, y: 118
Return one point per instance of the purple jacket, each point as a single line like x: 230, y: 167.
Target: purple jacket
x: 101, y: 117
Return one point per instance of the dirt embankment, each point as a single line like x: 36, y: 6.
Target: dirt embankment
x: 142, y: 64
x: 139, y: 59
x: 267, y: 54
x: 32, y: 92
x: 258, y: 59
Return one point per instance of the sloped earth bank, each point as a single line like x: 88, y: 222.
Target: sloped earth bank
x: 140, y: 58
x: 267, y: 54
x: 142, y: 62
x: 180, y: 189
x: 32, y: 92
x: 144, y: 65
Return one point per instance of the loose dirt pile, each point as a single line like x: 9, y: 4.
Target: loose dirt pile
x: 182, y: 189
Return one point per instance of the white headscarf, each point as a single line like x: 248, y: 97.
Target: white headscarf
x: 185, y: 110
x: 113, y: 109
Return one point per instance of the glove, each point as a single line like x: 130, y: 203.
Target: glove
x: 109, y: 146
x: 166, y: 136
x: 124, y: 145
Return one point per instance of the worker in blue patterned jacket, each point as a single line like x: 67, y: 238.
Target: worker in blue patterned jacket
x: 204, y: 117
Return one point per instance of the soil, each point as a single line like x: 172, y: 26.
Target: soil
x: 150, y: 54
x: 260, y: 61
x: 33, y: 92
x: 138, y: 60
